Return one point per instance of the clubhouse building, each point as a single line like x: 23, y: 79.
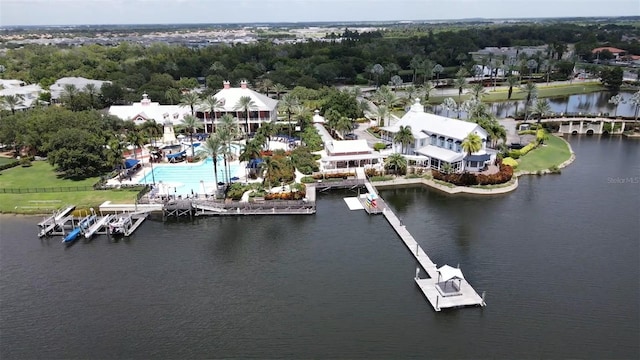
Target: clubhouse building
x: 438, y: 141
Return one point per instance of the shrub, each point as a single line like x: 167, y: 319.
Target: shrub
x: 370, y: 172
x: 25, y: 162
x: 514, y: 154
x: 334, y: 175
x: 9, y: 165
x: 510, y: 162
x: 236, y: 190
x: 379, y: 146
x: 554, y: 170
x: 468, y: 179
x: 381, y: 178
x: 307, y: 179
x: 527, y: 132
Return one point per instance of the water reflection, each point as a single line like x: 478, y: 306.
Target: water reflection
x: 593, y: 103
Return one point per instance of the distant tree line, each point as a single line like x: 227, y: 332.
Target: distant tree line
x: 412, y: 54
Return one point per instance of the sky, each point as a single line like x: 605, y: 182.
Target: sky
x: 75, y: 12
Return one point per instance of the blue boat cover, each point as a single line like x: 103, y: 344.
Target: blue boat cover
x: 129, y: 163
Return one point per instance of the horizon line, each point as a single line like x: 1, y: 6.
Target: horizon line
x: 330, y: 21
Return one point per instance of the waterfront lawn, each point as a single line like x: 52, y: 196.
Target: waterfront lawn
x: 42, y: 175
x: 544, y: 91
x: 554, y: 153
x: 39, y: 175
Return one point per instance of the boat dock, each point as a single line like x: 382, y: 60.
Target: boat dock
x: 65, y: 224
x: 446, y: 287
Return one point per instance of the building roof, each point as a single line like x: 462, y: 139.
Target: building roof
x: 79, y: 82
x: 340, y: 147
x: 29, y: 94
x: 148, y: 110
x: 449, y: 273
x: 230, y: 97
x: 7, y: 83
x: 443, y: 154
x: 371, y: 156
x: 423, y: 123
x: 609, y: 48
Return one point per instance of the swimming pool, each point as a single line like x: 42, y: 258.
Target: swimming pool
x: 181, y: 179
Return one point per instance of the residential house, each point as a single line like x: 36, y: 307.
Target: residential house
x: 80, y: 83
x: 28, y: 93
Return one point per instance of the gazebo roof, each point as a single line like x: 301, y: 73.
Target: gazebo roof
x: 448, y: 273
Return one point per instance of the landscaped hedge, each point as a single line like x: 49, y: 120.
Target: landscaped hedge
x: 295, y: 195
x: 9, y: 165
x: 334, y: 175
x: 510, y: 162
x: 517, y: 153
x: 469, y: 179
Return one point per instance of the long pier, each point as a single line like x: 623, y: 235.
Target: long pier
x: 440, y: 289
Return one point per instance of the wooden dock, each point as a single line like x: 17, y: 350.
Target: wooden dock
x: 441, y: 294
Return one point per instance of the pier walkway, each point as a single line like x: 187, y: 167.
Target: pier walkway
x: 441, y: 291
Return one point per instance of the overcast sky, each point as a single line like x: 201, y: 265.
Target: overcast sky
x: 73, y: 12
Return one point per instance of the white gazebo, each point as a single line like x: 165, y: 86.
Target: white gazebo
x: 447, y: 275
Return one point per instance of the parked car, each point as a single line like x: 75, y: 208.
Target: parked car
x: 351, y: 136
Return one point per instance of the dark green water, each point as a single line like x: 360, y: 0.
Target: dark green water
x: 559, y: 260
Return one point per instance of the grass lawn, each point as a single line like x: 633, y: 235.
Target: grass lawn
x: 554, y: 153
x: 544, y: 91
x: 42, y: 175
x: 39, y: 175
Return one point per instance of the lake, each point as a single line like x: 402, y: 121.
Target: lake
x: 558, y: 259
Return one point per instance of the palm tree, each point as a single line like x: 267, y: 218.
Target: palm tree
x: 265, y: 86
x: 343, y: 125
x: 251, y: 151
x: 472, y: 143
x: 191, y: 124
x: 382, y: 113
x: 302, y: 115
x: 477, y: 90
x: 211, y: 105
x: 136, y: 139
x: 425, y: 90
x: 279, y: 89
x: 213, y: 147
x: 190, y: 99
x: 397, y: 161
x: 114, y: 153
x: 460, y: 83
x: 246, y: 104
x: 541, y: 108
x: 92, y: 90
x: 386, y: 97
x: 12, y: 102
x: 511, y: 81
x: 286, y: 105
x: 531, y: 90
x: 405, y: 137
x: 616, y: 100
x: 427, y: 70
x: 151, y: 129
x: 267, y: 129
x: 414, y: 65
x: 172, y: 95
x: 227, y: 131
x: 438, y: 69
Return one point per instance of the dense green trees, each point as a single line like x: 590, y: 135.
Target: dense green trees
x: 414, y: 53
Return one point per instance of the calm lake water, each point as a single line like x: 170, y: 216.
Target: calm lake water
x: 558, y: 259
x: 593, y: 103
